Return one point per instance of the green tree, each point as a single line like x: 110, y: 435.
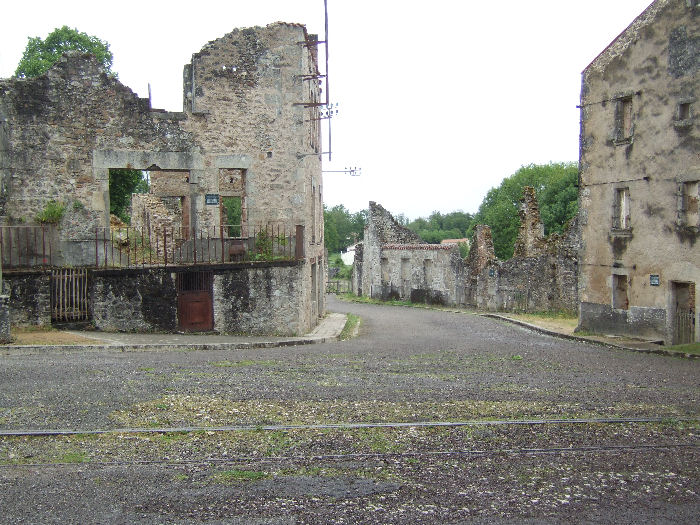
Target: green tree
x: 437, y: 227
x: 40, y: 55
x: 557, y: 194
x: 122, y: 183
x: 341, y: 227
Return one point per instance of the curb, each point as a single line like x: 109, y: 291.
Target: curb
x: 160, y: 347
x: 582, y: 339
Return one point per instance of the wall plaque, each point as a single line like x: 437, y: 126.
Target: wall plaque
x: 654, y: 280
x: 211, y: 199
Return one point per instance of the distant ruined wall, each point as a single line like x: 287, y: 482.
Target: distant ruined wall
x: 542, y: 275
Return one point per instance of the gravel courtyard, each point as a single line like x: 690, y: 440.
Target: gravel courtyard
x: 172, y: 462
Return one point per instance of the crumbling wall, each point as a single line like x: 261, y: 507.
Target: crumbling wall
x: 393, y: 262
x: 542, y: 275
x: 421, y: 273
x: 29, y: 296
x: 53, y: 125
x: 249, y: 128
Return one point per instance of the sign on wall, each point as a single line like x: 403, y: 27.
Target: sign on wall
x: 654, y: 280
x: 211, y: 199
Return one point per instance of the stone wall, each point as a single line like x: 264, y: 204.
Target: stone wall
x: 547, y: 280
x: 261, y: 301
x: 5, y: 335
x: 133, y: 300
x: 30, y: 298
x: 249, y: 298
x: 543, y: 275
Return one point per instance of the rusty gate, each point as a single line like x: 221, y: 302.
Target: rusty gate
x: 69, y: 295
x: 195, y: 306
x: 684, y: 312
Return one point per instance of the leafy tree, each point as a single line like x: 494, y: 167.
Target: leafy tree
x: 122, y: 183
x: 342, y: 228
x: 438, y: 227
x: 557, y: 194
x: 40, y: 55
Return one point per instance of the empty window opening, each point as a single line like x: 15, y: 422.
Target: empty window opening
x: 684, y: 111
x: 619, y: 289
x: 623, y: 119
x: 428, y: 272
x: 385, y: 269
x: 689, y: 204
x: 122, y: 183
x: 232, y: 216
x: 621, y: 209
x: 405, y: 269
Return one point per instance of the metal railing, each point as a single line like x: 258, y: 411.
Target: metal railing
x: 129, y: 247
x: 338, y: 286
x: 28, y: 246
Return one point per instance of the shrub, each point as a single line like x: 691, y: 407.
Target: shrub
x: 52, y: 213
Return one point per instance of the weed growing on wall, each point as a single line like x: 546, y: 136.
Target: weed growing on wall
x: 52, y: 213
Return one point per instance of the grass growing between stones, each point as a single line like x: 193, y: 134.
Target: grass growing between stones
x: 350, y: 328
x: 234, y: 448
x: 209, y: 411
x: 692, y: 348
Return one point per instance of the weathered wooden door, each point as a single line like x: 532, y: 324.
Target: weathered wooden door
x: 684, y: 313
x: 195, y: 309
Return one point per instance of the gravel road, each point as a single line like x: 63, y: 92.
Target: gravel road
x: 406, y: 365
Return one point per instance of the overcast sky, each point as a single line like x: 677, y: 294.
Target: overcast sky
x: 439, y: 101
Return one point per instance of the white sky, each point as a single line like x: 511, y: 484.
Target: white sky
x: 439, y: 101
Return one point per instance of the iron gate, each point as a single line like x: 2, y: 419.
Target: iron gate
x: 195, y: 309
x: 69, y: 295
x: 684, y: 330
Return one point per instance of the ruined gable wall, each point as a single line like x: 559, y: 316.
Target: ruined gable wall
x: 253, y: 99
x: 542, y: 274
x: 545, y: 281
x: 394, y: 262
x: 655, y: 66
x: 246, y: 95
x: 54, y: 123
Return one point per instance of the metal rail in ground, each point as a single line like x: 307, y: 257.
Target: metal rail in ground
x: 343, y: 426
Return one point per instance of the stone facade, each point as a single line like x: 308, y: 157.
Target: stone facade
x: 394, y: 263
x: 248, y: 129
x: 543, y: 275
x: 247, y: 298
x: 639, y: 176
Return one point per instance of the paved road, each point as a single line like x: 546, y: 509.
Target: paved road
x: 406, y: 365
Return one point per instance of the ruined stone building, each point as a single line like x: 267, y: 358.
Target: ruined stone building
x: 248, y: 133
x: 394, y: 263
x: 639, y: 178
